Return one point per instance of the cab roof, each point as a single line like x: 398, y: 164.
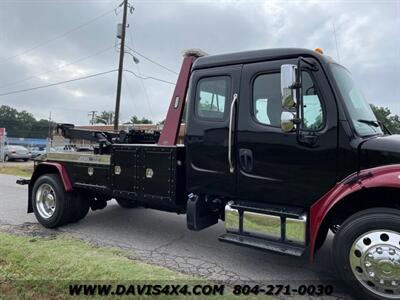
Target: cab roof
x: 210, y: 61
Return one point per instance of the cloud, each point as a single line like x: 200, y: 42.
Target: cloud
x: 367, y: 34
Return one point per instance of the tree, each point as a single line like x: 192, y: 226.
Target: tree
x: 22, y: 124
x: 384, y: 115
x: 136, y: 120
x: 106, y: 118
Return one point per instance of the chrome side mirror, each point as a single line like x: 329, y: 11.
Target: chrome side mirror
x: 288, y: 121
x: 289, y: 118
x: 288, y: 82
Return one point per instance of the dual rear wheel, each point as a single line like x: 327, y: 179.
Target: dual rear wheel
x: 53, y: 206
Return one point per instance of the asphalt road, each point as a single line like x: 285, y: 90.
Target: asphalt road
x: 162, y: 238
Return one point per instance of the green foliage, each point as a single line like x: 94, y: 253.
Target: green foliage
x: 384, y: 115
x: 22, y: 123
x: 106, y: 118
x: 136, y: 120
x: 43, y: 267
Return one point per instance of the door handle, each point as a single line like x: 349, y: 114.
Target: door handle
x: 231, y: 166
x: 246, y: 159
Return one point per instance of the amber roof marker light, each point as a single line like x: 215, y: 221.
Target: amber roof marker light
x: 319, y: 50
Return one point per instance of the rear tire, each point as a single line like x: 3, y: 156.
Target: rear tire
x: 366, y: 253
x: 51, y: 204
x: 126, y: 203
x: 81, y: 207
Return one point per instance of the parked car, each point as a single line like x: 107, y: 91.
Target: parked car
x: 37, y: 151
x: 14, y: 152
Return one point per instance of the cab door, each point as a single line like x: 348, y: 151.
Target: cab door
x: 278, y: 167
x: 207, y: 133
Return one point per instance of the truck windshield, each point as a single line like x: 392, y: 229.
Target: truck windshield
x: 361, y: 114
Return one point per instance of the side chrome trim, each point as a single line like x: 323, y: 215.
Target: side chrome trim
x: 78, y: 157
x: 258, y: 177
x: 204, y: 170
x: 262, y: 225
x: 295, y: 230
x: 231, y: 218
x: 245, y: 221
x: 231, y: 166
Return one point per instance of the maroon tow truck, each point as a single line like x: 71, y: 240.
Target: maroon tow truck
x: 279, y: 144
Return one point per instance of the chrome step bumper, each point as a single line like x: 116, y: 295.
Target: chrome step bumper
x: 267, y: 223
x: 262, y: 244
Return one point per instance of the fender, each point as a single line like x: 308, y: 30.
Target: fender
x: 46, y: 168
x: 385, y: 176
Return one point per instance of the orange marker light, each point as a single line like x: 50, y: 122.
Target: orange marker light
x: 319, y: 50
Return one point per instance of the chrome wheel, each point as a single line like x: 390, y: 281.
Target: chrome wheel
x: 375, y: 262
x: 45, y: 201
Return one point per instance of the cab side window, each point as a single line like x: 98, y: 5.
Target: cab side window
x: 312, y: 108
x: 267, y: 103
x: 211, y: 95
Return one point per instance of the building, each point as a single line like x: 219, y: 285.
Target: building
x: 27, y: 142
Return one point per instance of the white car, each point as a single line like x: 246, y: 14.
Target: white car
x: 14, y: 152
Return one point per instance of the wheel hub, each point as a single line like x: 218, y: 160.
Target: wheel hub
x: 45, y: 201
x: 383, y: 262
x: 375, y: 262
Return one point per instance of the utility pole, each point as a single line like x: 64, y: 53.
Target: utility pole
x: 92, y: 115
x: 121, y: 66
x: 49, y: 139
x: 50, y: 125
x: 110, y: 121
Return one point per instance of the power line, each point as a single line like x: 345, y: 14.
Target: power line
x: 56, y: 83
x: 145, y: 91
x: 82, y: 78
x: 145, y: 57
x: 147, y: 77
x: 56, y: 69
x: 130, y: 92
x: 152, y: 61
x: 140, y: 73
x: 58, y: 36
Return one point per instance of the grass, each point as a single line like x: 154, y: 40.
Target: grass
x: 40, y: 267
x: 44, y: 267
x: 23, y: 170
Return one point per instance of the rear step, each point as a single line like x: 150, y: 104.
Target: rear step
x: 262, y: 244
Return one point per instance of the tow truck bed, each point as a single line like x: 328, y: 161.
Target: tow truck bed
x: 152, y: 175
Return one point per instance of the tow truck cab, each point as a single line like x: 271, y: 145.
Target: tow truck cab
x: 279, y: 144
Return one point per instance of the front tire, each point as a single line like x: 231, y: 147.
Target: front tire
x: 366, y: 253
x: 52, y: 206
